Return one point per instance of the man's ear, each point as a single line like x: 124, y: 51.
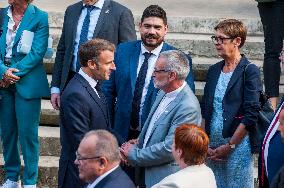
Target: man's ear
x: 91, y: 64
x: 172, y: 76
x: 103, y: 162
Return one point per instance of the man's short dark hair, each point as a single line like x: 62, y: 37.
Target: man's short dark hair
x: 154, y: 11
x: 92, y: 49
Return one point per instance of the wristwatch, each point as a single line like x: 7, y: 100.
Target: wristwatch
x: 232, y: 146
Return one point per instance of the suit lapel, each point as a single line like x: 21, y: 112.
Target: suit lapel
x: 75, y: 18
x: 237, y: 74
x: 28, y: 17
x: 94, y: 95
x: 153, y: 109
x: 104, y: 13
x: 134, y: 60
x: 172, y: 105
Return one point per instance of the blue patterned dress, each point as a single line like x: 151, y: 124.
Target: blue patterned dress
x: 237, y: 170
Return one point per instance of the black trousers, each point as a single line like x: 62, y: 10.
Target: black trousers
x: 272, y: 18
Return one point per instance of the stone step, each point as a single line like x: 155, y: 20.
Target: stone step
x: 201, y: 8
x: 201, y: 44
x: 49, y: 116
x: 178, y: 24
x: 47, y: 172
x: 49, y: 141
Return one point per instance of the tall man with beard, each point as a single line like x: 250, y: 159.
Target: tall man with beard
x: 130, y: 91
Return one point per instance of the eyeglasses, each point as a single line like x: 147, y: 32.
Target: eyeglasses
x: 219, y: 40
x: 161, y: 70
x: 80, y: 158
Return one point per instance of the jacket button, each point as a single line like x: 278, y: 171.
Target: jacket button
x: 225, y: 119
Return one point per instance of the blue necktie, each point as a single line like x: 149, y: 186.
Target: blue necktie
x: 84, y: 32
x: 139, y: 85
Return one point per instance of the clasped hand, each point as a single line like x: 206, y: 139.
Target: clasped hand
x: 221, y: 153
x: 9, y: 78
x: 125, y: 149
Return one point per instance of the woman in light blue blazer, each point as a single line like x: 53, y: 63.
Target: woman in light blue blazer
x: 23, y: 84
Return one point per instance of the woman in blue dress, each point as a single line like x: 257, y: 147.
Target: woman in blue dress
x: 230, y: 108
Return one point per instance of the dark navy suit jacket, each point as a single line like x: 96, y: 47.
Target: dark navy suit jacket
x: 240, y: 102
x: 119, y: 89
x: 275, y: 158
x: 116, y: 179
x: 115, y: 24
x: 81, y: 111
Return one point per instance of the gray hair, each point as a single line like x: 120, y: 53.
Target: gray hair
x: 177, y: 62
x: 106, y: 145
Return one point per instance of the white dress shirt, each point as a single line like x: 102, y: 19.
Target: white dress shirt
x: 90, y: 80
x: 94, y: 16
x: 165, y: 102
x: 92, y: 185
x: 151, y: 64
x: 11, y: 34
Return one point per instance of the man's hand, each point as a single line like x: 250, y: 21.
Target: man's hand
x: 9, y: 77
x: 133, y: 141
x: 123, y: 158
x: 55, y: 100
x: 125, y: 148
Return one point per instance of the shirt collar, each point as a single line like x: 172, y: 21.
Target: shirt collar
x: 92, y: 185
x: 174, y: 93
x: 99, y: 4
x: 10, y: 12
x: 90, y: 80
x: 156, y: 51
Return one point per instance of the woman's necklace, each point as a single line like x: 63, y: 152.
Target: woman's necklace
x: 17, y: 19
x: 230, y: 67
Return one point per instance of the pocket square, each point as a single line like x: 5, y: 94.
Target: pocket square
x: 26, y: 41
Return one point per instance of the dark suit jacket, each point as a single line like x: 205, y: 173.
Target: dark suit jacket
x: 2, y: 13
x: 119, y: 90
x: 275, y: 159
x: 116, y: 179
x: 81, y: 111
x: 115, y: 24
x: 278, y: 180
x: 240, y: 102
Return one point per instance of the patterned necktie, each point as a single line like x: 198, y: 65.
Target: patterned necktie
x: 139, y: 85
x: 84, y: 31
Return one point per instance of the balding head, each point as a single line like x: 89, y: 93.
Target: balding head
x: 98, y: 153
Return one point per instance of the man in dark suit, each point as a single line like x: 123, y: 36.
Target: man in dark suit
x: 130, y: 91
x: 83, y: 106
x: 271, y: 156
x: 85, y: 20
x: 278, y: 180
x: 98, y: 161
